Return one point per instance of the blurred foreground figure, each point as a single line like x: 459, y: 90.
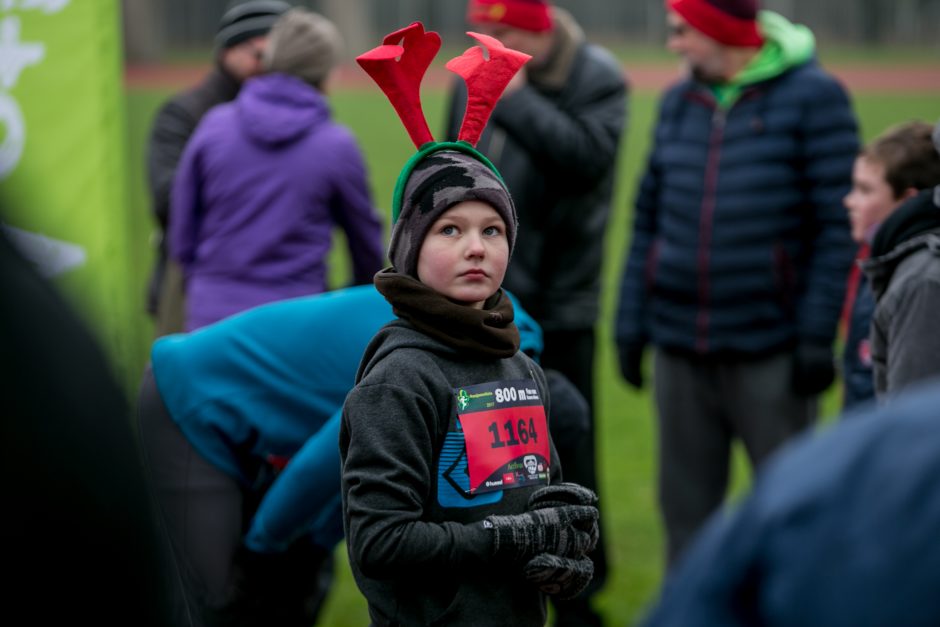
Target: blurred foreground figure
x: 81, y: 547
x: 840, y: 529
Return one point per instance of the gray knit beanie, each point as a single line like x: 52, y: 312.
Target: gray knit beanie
x: 439, y: 180
x: 245, y: 20
x: 303, y: 44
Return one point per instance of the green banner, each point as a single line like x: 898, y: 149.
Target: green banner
x: 63, y: 159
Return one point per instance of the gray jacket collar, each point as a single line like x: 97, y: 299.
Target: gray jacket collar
x: 880, y: 269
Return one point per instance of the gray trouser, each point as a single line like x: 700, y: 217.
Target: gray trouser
x: 703, y: 405
x: 204, y: 513
x: 200, y: 505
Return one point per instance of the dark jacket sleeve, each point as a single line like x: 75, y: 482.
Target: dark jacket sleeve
x: 353, y: 210
x: 914, y: 350
x: 830, y: 145
x: 580, y: 136
x: 906, y: 327
x: 387, y: 446
x: 630, y: 327
x: 172, y: 128
x: 186, y: 204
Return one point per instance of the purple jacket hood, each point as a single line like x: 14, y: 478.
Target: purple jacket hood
x: 279, y: 108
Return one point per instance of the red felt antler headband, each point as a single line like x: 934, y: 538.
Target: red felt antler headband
x: 398, y: 66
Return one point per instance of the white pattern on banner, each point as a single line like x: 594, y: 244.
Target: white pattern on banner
x: 47, y: 6
x: 15, y: 56
x: 50, y: 256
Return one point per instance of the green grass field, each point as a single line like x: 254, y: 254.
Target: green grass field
x: 625, y: 419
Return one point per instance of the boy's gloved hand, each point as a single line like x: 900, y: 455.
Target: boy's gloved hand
x: 565, y: 493
x: 556, y: 530
x: 561, y: 577
x: 561, y: 494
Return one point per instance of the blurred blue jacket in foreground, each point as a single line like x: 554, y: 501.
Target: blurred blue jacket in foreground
x: 841, y: 528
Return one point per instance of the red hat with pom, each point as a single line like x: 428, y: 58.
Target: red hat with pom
x: 730, y: 22
x: 531, y: 15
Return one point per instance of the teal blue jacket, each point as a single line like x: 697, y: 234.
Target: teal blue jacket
x: 268, y: 384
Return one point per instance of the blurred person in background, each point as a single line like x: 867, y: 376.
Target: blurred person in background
x: 740, y: 250
x: 904, y: 271
x: 239, y: 43
x: 554, y: 136
x: 893, y: 168
x: 266, y: 178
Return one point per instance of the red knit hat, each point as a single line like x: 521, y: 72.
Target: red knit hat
x: 532, y: 15
x: 731, y: 22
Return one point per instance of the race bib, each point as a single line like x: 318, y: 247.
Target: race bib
x: 506, y: 434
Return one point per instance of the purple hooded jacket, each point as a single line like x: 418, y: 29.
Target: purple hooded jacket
x: 261, y: 185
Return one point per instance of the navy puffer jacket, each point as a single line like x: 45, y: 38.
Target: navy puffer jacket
x: 741, y: 244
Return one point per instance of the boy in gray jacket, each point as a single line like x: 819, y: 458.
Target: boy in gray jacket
x: 452, y: 510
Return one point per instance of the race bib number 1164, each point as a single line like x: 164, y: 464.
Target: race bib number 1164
x: 506, y: 434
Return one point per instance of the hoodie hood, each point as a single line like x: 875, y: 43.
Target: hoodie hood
x: 399, y: 334
x: 277, y: 108
x: 915, y: 216
x: 912, y: 226
x: 786, y: 45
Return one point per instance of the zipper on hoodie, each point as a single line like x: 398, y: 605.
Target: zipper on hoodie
x: 706, y: 222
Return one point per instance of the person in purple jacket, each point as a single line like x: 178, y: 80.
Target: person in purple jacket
x: 264, y: 181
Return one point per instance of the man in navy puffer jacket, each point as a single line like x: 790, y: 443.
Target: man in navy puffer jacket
x: 740, y: 248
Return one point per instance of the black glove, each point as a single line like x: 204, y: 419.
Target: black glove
x: 562, y: 494
x: 565, y: 493
x: 561, y: 577
x: 553, y: 530
x: 814, y: 368
x: 631, y: 363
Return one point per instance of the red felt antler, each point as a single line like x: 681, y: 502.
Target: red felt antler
x: 486, y: 80
x: 398, y: 66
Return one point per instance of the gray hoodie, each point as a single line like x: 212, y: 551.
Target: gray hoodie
x: 417, y: 547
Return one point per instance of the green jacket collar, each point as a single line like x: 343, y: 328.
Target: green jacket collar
x: 786, y: 45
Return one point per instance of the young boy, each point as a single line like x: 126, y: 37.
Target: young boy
x: 445, y: 522
x: 904, y: 273
x: 891, y: 169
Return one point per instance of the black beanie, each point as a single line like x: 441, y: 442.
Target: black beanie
x: 245, y: 20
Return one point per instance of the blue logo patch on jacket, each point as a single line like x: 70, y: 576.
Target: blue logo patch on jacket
x: 453, y: 476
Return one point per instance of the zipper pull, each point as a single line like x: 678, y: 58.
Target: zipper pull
x: 718, y: 118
